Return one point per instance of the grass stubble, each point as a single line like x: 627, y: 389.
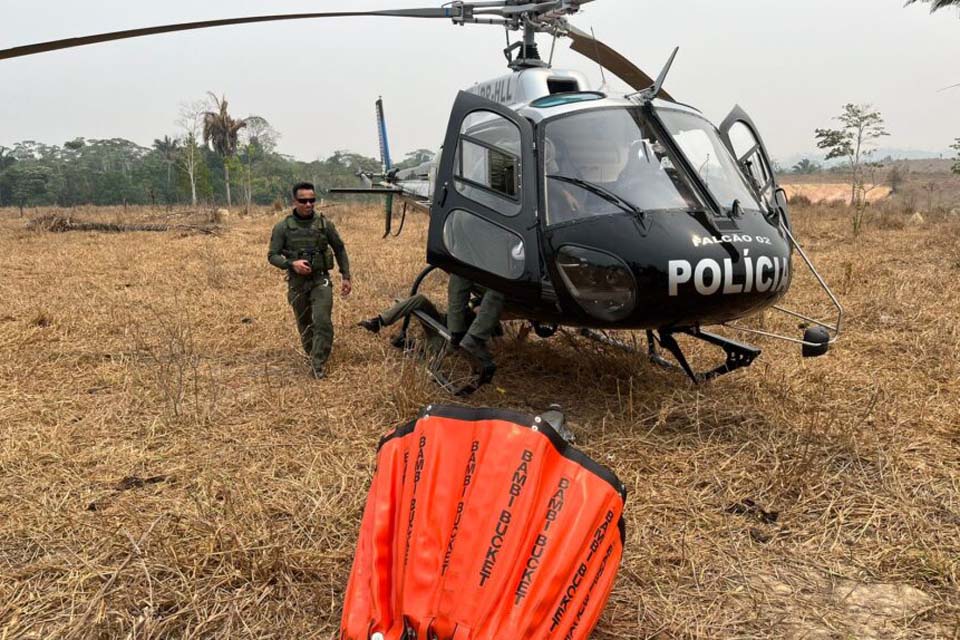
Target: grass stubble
x: 168, y: 470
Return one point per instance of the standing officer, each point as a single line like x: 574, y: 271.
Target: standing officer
x: 304, y: 245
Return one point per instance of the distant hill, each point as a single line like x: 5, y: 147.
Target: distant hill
x: 914, y: 168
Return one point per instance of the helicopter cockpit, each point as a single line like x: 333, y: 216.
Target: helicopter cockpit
x: 591, y: 156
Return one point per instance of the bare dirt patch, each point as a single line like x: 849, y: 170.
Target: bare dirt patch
x: 833, y: 192
x: 821, y: 606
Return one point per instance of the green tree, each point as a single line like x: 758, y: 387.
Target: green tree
x: 168, y: 149
x: 7, y: 160
x: 221, y: 131
x: 416, y: 158
x: 860, y: 129
x: 936, y: 5
x: 27, y: 183
x: 956, y: 147
x: 258, y: 142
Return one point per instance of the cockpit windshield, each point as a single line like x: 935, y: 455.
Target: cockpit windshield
x: 607, y: 161
x: 700, y: 143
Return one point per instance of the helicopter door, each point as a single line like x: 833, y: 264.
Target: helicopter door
x: 483, y: 223
x: 744, y: 141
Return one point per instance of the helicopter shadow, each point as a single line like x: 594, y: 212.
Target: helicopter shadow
x: 616, y: 395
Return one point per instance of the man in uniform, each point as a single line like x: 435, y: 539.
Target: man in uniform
x: 304, y: 245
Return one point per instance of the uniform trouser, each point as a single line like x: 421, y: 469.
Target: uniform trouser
x: 407, y: 306
x: 312, y: 307
x: 458, y: 301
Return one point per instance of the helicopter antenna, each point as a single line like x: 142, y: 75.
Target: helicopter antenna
x: 654, y: 91
x: 553, y: 47
x: 603, y: 77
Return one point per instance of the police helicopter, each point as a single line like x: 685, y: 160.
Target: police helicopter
x: 586, y: 208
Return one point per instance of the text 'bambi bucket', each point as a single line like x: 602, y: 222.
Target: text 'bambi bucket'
x: 483, y: 524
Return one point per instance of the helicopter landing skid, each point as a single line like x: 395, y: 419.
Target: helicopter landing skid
x: 738, y: 354
x: 437, y: 351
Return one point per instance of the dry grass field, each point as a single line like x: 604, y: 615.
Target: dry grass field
x: 168, y: 469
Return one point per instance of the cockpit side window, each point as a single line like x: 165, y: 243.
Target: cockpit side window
x: 480, y: 243
x: 749, y: 153
x: 487, y: 164
x: 701, y: 144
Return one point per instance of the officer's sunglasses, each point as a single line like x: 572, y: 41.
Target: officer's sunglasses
x: 306, y: 200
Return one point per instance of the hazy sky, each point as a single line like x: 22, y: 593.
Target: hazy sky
x: 790, y: 64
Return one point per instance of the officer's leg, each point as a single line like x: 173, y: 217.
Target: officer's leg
x: 299, y: 300
x: 458, y: 297
x: 404, y: 308
x: 321, y: 302
x: 475, y: 342
x: 488, y: 315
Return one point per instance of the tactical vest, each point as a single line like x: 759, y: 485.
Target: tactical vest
x: 309, y: 243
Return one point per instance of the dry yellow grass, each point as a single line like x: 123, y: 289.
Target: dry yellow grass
x: 167, y: 469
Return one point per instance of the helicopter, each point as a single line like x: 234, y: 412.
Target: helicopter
x: 585, y: 208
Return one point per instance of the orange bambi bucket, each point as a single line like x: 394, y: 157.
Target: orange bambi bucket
x: 483, y: 524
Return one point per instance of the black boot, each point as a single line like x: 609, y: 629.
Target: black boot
x: 400, y: 341
x: 456, y: 337
x: 372, y: 324
x: 478, y: 349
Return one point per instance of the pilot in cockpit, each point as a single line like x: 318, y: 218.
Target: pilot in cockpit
x: 563, y: 204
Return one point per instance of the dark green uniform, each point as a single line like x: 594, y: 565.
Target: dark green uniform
x: 458, y: 315
x: 407, y: 306
x: 315, y: 240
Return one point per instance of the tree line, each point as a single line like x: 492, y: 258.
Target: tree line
x: 212, y: 158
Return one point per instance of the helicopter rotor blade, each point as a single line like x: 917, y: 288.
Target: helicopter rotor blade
x: 449, y: 12
x: 611, y: 60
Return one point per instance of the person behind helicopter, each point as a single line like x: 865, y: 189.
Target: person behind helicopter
x: 406, y: 307
x: 562, y: 202
x: 644, y: 179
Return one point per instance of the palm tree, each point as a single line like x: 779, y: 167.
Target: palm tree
x: 936, y: 5
x: 169, y: 149
x: 806, y: 167
x: 221, y: 130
